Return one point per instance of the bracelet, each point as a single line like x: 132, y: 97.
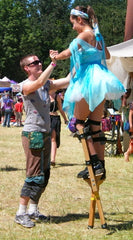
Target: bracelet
x: 53, y: 64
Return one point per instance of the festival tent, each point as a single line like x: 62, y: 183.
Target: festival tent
x: 121, y: 61
x: 3, y: 89
x: 124, y: 49
x: 6, y: 84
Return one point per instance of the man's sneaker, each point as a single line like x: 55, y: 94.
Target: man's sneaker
x: 98, y: 169
x: 39, y: 217
x: 24, y: 220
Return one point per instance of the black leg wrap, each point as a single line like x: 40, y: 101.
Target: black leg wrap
x: 104, y: 174
x: 89, y: 121
x: 102, y: 139
x: 86, y: 133
x: 78, y: 121
x: 94, y: 158
x: 79, y: 136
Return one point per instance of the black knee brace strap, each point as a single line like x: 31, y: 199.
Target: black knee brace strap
x: 101, y: 138
x: 87, y: 133
x: 93, y: 159
x: 93, y: 122
x: 87, y: 122
x: 78, y: 121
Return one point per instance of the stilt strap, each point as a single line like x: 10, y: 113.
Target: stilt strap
x: 93, y: 122
x: 87, y: 133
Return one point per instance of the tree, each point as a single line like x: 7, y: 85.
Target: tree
x: 30, y: 27
x: 11, y: 18
x: 111, y: 16
x: 36, y: 26
x: 55, y: 28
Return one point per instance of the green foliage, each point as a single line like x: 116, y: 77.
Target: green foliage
x: 111, y: 17
x: 36, y: 26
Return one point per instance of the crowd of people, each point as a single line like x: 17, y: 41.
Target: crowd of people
x: 11, y: 109
x: 88, y: 85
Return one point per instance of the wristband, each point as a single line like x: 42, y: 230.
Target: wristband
x: 53, y: 64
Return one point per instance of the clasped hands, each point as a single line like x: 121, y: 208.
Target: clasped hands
x: 53, y: 54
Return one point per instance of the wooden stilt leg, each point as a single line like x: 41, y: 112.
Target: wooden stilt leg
x: 100, y: 210
x: 92, y: 211
x: 94, y: 183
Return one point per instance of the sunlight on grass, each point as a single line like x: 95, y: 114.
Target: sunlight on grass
x: 66, y: 199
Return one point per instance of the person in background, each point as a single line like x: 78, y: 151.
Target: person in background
x: 91, y: 83
x: 8, y: 109
x: 36, y: 135
x: 130, y: 148
x: 129, y: 118
x: 61, y: 94
x: 55, y: 106
x: 2, y: 112
x: 18, y: 111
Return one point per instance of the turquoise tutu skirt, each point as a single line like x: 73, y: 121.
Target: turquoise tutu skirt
x: 92, y: 81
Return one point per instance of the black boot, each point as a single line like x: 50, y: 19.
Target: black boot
x: 98, y: 168
x: 83, y: 174
x: 104, y: 173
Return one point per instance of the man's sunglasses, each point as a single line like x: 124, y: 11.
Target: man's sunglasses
x: 35, y: 63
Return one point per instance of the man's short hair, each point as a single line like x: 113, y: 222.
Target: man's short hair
x: 24, y: 60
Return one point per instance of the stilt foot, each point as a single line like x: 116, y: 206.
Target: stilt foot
x: 90, y: 227
x: 104, y: 226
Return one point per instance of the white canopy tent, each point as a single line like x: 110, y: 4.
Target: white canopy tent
x: 8, y: 85
x: 121, y: 61
x: 124, y: 49
x: 5, y: 82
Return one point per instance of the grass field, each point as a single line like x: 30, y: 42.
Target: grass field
x: 66, y: 199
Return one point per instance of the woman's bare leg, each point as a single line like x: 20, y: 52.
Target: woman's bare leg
x: 82, y: 112
x: 130, y: 149
x: 96, y: 150
x: 53, y: 147
x: 97, y: 116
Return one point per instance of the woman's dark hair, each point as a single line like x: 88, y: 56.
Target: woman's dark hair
x: 89, y: 10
